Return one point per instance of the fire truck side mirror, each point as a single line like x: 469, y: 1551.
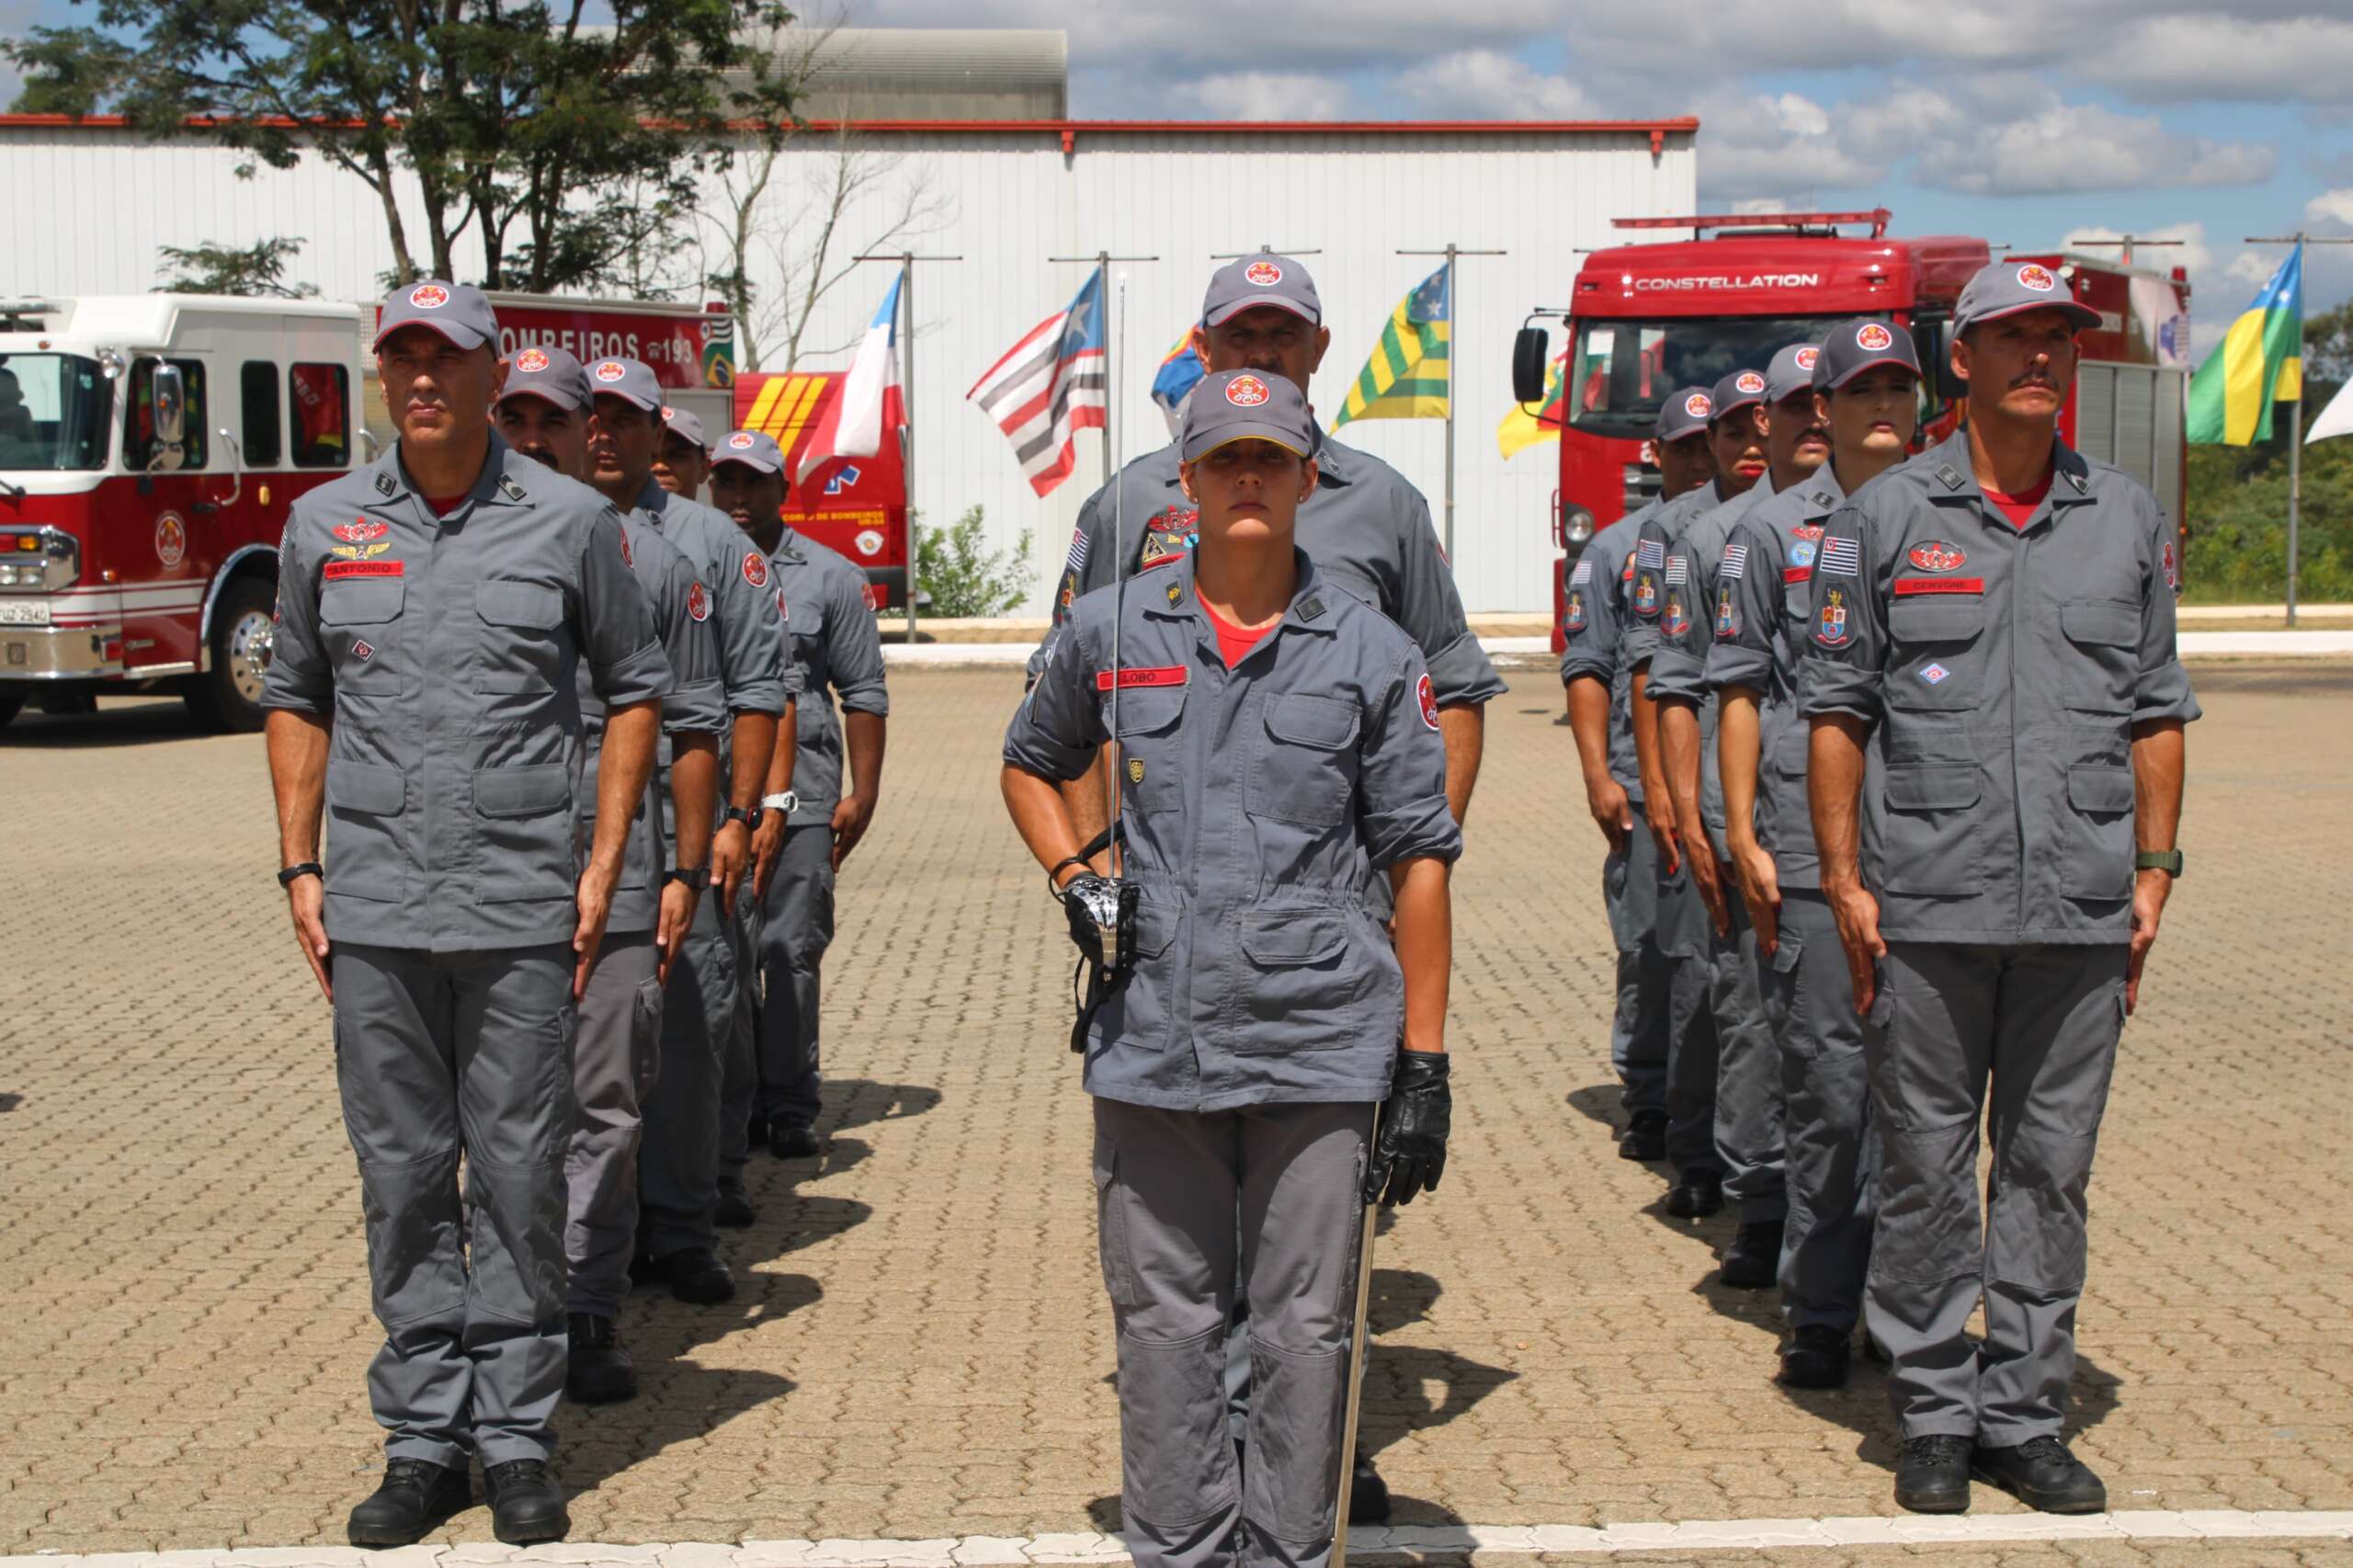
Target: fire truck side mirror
x: 1933, y: 340
x: 168, y: 396
x: 1529, y: 354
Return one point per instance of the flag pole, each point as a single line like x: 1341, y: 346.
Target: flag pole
x: 1453, y: 336
x: 1102, y: 261
x: 2296, y: 419
x: 906, y: 260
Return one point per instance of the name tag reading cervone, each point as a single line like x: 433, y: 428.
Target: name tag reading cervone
x: 1907, y: 586
x: 1149, y: 674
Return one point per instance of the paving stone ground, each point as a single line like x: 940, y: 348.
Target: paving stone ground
x: 921, y: 1349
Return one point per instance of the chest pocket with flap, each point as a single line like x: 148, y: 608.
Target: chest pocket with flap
x: 522, y: 644
x: 1937, y: 657
x: 1305, y: 768
x: 2104, y: 639
x: 1150, y: 722
x: 360, y: 621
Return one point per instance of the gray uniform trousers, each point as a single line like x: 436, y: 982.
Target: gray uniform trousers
x: 614, y: 1068
x: 1748, y: 1071
x: 1685, y: 941
x: 439, y: 1054
x: 1833, y: 1142
x: 740, y: 1058
x: 1638, y: 1022
x: 2027, y: 1036
x: 1168, y: 1185
x: 796, y: 927
x: 679, y: 1168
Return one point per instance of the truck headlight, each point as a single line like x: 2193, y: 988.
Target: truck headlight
x: 1576, y: 524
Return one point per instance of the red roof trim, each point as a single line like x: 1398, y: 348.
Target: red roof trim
x: 1068, y: 129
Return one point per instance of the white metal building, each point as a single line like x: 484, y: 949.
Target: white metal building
x: 95, y: 200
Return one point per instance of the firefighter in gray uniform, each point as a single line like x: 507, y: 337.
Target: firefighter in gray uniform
x: 1686, y: 933
x: 544, y: 411
x: 1594, y: 622
x: 682, y: 462
x: 1865, y: 381
x: 1368, y: 529
x: 1277, y: 743
x: 678, y: 1167
x: 1997, y: 616
x: 1748, y: 1066
x: 434, y: 608
x: 839, y: 650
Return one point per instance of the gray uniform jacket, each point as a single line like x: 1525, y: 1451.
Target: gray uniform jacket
x: 1256, y: 802
x: 1594, y: 624
x: 1644, y: 588
x: 444, y: 652
x: 839, y: 651
x: 1757, y: 618
x: 1678, y: 664
x: 1367, y: 529
x: 697, y: 705
x: 2005, y: 669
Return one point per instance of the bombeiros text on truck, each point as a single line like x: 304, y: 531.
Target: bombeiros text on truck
x: 152, y: 445
x: 1644, y: 320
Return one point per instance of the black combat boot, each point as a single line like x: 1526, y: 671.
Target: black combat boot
x: 2041, y: 1474
x: 1697, y: 1195
x: 416, y: 1494
x: 599, y: 1371
x: 1645, y: 1138
x: 1753, y: 1260
x: 1932, y: 1475
x: 1816, y: 1357
x: 525, y: 1505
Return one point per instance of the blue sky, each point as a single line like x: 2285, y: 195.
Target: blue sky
x: 2025, y: 121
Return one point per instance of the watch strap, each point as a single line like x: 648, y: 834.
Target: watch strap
x: 2166, y: 861
x: 786, y: 802
x: 695, y: 877
x: 293, y: 874
x: 737, y: 813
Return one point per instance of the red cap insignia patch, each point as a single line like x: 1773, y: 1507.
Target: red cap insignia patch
x: 2037, y: 276
x: 1698, y: 406
x: 610, y: 371
x: 429, y: 296
x: 531, y: 361
x: 1246, y: 392
x: 1265, y: 273
x: 1871, y: 338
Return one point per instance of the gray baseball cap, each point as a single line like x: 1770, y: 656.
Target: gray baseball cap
x: 1242, y: 405
x: 458, y: 312
x: 1854, y: 346
x: 1683, y: 412
x: 1737, y: 391
x: 755, y: 449
x: 631, y: 380
x: 685, y: 424
x: 1791, y: 371
x: 2012, y: 287
x: 1252, y: 280
x: 548, y: 373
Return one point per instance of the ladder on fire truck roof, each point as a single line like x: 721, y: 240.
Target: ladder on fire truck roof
x: 1765, y: 223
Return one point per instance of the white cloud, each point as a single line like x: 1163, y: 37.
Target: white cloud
x: 1482, y: 84
x: 2331, y: 207
x: 2065, y: 148
x: 1270, y: 94
x: 2207, y: 56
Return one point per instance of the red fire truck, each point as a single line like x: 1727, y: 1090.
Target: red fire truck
x: 151, y: 445
x: 856, y: 507
x: 1647, y: 319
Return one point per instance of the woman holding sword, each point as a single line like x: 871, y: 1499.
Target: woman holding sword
x: 1275, y: 743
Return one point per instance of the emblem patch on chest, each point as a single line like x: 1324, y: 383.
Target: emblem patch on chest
x: 362, y: 651
x: 1936, y: 555
x: 1934, y: 673
x: 1135, y: 770
x: 755, y: 569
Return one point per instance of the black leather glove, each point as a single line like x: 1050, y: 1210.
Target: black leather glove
x: 1409, y: 1152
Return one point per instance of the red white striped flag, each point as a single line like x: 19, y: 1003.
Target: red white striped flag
x: 1051, y: 385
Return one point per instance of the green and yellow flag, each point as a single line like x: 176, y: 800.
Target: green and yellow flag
x: 1521, y: 428
x: 2261, y: 363
x: 1406, y: 378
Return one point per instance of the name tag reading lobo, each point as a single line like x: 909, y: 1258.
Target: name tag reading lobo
x: 1149, y: 675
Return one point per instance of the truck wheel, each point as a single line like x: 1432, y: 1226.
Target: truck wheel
x: 228, y: 696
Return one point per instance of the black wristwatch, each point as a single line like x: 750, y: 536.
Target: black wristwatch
x: 293, y: 874
x: 696, y: 877
x: 750, y: 819
x: 2165, y: 860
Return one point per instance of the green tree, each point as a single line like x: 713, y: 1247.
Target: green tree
x: 518, y: 121
x: 258, y: 270
x: 963, y: 577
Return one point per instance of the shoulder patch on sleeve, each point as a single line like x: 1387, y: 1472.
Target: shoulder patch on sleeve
x: 1427, y: 698
x: 1841, y: 558
x: 1584, y: 573
x: 1735, y: 562
x: 755, y: 569
x: 1650, y: 552
x: 699, y: 602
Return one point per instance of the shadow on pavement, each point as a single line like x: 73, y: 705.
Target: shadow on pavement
x: 116, y: 722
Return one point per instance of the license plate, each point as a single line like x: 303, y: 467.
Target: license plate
x: 24, y: 612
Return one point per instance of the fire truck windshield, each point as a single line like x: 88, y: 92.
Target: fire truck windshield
x: 1621, y: 369
x: 55, y: 410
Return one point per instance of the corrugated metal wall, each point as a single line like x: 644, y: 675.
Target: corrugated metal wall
x: 93, y: 205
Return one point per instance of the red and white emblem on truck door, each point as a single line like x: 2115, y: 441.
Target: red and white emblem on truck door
x: 171, y: 540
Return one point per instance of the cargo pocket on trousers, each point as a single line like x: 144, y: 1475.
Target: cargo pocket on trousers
x: 1930, y: 846
x: 414, y: 1246
x: 1177, y: 1463
x: 645, y: 1039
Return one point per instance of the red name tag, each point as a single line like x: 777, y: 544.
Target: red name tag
x: 335, y: 569
x: 1905, y: 587
x: 1797, y: 574
x: 1162, y: 674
